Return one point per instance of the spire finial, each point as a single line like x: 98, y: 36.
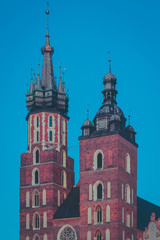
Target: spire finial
x: 47, y: 32
x: 109, y: 60
x: 31, y: 71
x: 129, y: 119
x: 63, y: 74
x: 88, y: 112
x: 60, y: 70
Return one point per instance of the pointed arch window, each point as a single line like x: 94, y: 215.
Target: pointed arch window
x: 50, y: 121
x: 99, y: 214
x: 50, y: 136
x: 63, y: 132
x: 128, y: 219
x: 127, y: 193
x: 64, y: 159
x: 107, y: 234
x: 36, y: 237
x: 35, y: 198
x: 98, y: 235
x: 99, y: 160
x: 99, y: 191
x: 36, y: 221
x: 35, y: 176
x: 89, y: 235
x: 45, y: 237
x: 108, y: 213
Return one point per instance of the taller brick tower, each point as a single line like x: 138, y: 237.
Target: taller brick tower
x: 108, y: 172
x: 46, y: 169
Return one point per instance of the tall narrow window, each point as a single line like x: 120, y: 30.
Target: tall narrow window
x: 37, y: 136
x: 45, y: 219
x: 50, y: 121
x: 122, y: 191
x: 64, y: 179
x: 107, y: 234
x: 123, y: 235
x: 108, y: 214
x: 108, y: 190
x: 27, y: 221
x: 89, y: 216
x: 27, y: 238
x: 99, y: 160
x: 44, y: 196
x: 128, y: 219
x: 89, y: 235
x: 98, y: 235
x: 127, y: 193
x: 37, y: 156
x: 27, y: 199
x: 63, y: 132
x: 37, y: 121
x: 36, y: 177
x: 64, y: 159
x: 132, y: 219
x: 45, y: 237
x: 58, y: 198
x: 99, y: 214
x: 36, y: 221
x: 35, y: 198
x: 50, y: 135
x: 99, y: 191
x: 122, y: 214
x: 90, y: 191
x: 127, y: 163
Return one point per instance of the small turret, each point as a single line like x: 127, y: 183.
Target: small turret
x: 87, y: 126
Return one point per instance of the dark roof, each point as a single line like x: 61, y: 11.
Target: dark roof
x: 144, y: 211
x: 70, y: 206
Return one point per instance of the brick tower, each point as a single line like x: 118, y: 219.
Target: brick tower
x: 108, y: 172
x: 46, y: 174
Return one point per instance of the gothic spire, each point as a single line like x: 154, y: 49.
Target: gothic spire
x: 48, y: 81
x: 31, y: 83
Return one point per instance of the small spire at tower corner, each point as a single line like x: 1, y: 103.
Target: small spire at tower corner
x: 109, y: 60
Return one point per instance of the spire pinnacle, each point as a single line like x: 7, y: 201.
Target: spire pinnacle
x: 47, y: 32
x: 109, y: 60
x: 38, y: 68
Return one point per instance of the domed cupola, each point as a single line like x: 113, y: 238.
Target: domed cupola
x: 87, y: 127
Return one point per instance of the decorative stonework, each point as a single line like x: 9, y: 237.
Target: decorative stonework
x: 153, y: 230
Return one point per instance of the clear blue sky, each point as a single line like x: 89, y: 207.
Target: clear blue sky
x: 81, y: 33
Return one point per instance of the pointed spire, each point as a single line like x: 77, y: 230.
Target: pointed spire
x: 27, y: 89
x: 63, y: 83
x: 109, y: 60
x: 87, y: 114
x: 60, y: 88
x: 47, y: 80
x: 31, y: 84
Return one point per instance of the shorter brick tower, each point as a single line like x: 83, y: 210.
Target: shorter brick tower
x: 108, y: 172
x: 47, y: 172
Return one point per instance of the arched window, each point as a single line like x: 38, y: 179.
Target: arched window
x: 132, y: 219
x: 50, y: 121
x: 89, y: 235
x: 123, y: 235
x: 35, y: 176
x: 27, y: 221
x: 35, y: 198
x: 63, y: 132
x: 127, y: 193
x: 37, y: 136
x: 63, y: 197
x: 98, y: 235
x: 99, y: 191
x: 44, y: 196
x: 50, y: 136
x: 107, y: 234
x: 108, y: 214
x: 67, y: 232
x: 122, y: 214
x: 36, y: 221
x: 99, y: 214
x: 36, y: 237
x: 27, y: 238
x: 99, y: 160
x: 64, y: 159
x: 89, y: 216
x: 127, y: 163
x: 27, y: 199
x: 64, y: 179
x: 37, y: 121
x: 45, y: 219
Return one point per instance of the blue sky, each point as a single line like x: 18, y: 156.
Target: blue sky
x: 81, y: 33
